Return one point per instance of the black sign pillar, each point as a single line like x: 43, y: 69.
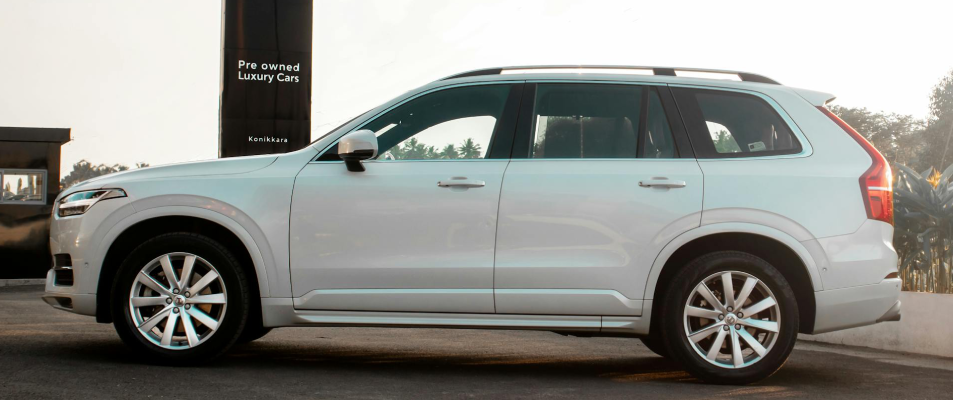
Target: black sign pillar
x: 266, y: 77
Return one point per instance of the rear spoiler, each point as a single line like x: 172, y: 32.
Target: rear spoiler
x: 816, y: 98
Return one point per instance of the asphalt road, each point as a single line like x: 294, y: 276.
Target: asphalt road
x: 45, y: 353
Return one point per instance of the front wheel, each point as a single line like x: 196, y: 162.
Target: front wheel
x: 730, y: 318
x: 180, y: 298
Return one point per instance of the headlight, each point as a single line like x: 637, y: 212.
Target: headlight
x: 77, y: 203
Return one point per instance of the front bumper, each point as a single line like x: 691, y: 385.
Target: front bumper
x: 61, y: 299
x: 82, y: 237
x: 857, y: 306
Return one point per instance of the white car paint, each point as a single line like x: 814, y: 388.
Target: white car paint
x: 392, y: 227
x: 588, y: 224
x: 386, y: 248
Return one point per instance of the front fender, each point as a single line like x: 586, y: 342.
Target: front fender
x: 211, y: 210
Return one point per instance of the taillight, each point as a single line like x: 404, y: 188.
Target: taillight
x: 876, y: 185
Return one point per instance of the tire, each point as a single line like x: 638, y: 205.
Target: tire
x: 774, y: 328
x: 252, y: 333
x: 206, y: 323
x: 656, y: 345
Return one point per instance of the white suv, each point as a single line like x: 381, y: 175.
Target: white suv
x: 713, y: 219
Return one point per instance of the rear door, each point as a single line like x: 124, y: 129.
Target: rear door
x: 602, y: 177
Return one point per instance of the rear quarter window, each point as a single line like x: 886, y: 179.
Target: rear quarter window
x: 725, y: 124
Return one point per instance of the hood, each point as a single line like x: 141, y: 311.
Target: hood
x: 223, y: 166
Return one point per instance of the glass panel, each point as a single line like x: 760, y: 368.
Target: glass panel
x: 724, y: 142
x: 449, y: 124
x: 744, y: 123
x: 22, y: 186
x: 659, y: 142
x: 586, y: 121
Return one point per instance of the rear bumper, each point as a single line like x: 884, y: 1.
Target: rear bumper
x: 857, y: 306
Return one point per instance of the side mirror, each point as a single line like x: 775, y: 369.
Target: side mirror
x: 357, y: 146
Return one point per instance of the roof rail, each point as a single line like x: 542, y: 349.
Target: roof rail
x: 665, y: 71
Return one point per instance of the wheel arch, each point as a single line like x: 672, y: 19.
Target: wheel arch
x: 146, y: 224
x: 793, y: 260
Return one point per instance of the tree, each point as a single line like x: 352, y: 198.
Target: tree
x: 469, y: 149
x: 449, y: 152
x: 412, y: 149
x: 897, y: 136
x: 938, y: 149
x: 724, y: 143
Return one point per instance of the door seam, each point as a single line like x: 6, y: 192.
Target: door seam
x: 496, y: 231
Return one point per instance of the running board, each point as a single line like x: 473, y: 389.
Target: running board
x: 280, y: 312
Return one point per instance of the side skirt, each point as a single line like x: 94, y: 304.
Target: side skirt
x: 280, y: 312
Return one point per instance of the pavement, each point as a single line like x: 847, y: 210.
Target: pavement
x: 45, y: 353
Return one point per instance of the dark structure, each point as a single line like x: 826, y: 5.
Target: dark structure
x: 266, y: 77
x: 30, y: 181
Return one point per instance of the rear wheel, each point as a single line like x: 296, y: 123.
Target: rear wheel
x: 180, y: 298
x: 730, y: 318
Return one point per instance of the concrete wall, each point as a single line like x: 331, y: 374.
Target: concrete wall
x: 926, y: 328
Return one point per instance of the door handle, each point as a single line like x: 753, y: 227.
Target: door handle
x: 461, y: 181
x: 662, y: 183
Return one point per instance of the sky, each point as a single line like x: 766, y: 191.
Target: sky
x: 138, y: 81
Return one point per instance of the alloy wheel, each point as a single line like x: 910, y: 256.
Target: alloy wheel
x: 729, y: 328
x: 178, y: 301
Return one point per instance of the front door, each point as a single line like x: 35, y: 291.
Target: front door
x: 416, y: 231
x: 604, y: 183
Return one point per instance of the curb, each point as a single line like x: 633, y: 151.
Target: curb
x: 21, y: 282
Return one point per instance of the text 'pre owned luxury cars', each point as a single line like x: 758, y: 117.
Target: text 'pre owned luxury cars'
x: 714, y: 219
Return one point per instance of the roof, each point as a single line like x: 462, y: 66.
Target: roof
x: 48, y: 135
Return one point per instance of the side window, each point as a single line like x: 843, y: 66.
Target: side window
x: 21, y: 187
x: 659, y: 142
x: 457, y: 123
x: 729, y: 124
x: 724, y: 142
x: 599, y: 121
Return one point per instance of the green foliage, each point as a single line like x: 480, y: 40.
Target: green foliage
x: 412, y: 149
x: 469, y: 149
x: 938, y: 130
x: 941, y: 99
x: 923, y: 229
x: 906, y: 140
x: 896, y: 136
x: 724, y: 143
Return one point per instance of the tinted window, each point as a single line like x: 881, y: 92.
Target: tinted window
x: 729, y: 124
x: 457, y: 123
x: 599, y: 121
x: 659, y: 142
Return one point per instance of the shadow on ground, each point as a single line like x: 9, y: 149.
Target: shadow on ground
x: 50, y: 354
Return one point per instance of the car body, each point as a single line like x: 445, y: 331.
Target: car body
x: 552, y: 227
